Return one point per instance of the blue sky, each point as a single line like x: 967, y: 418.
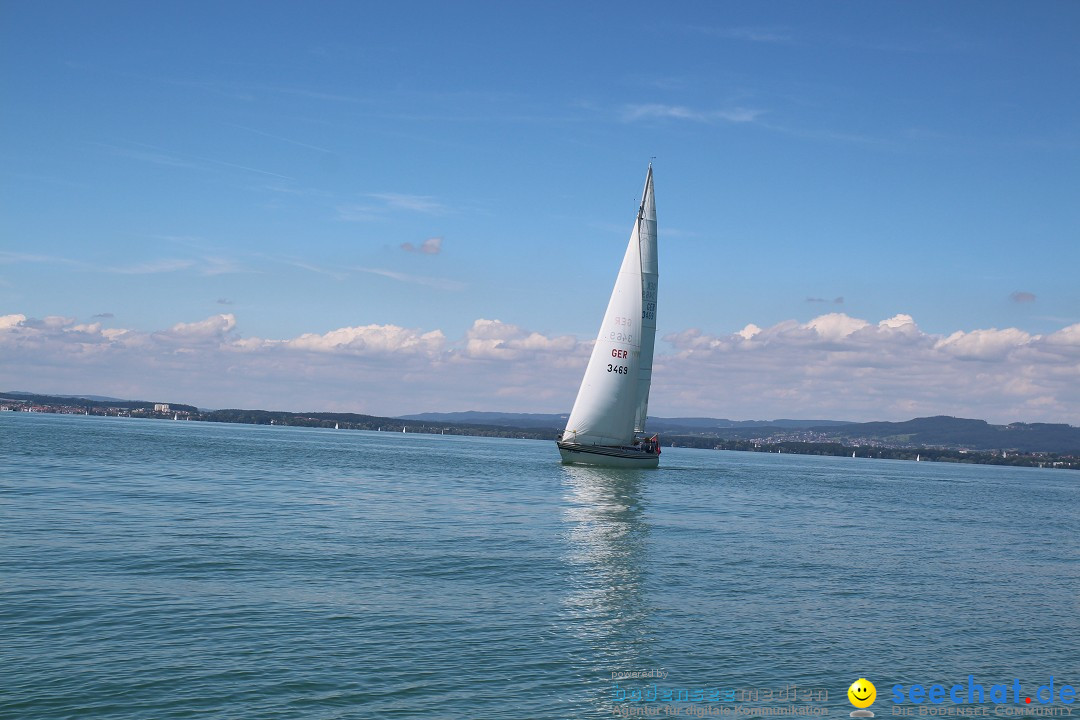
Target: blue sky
x: 371, y: 174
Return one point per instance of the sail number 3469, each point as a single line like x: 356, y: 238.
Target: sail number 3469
x: 621, y: 369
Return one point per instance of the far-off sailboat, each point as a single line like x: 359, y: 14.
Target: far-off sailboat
x: 607, y: 425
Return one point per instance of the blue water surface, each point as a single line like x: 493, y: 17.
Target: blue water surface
x: 161, y: 569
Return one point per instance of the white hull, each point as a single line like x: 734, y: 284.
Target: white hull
x: 606, y: 456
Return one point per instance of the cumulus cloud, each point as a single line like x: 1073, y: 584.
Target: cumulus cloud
x: 844, y: 367
x: 835, y: 326
x: 496, y: 339
x: 8, y: 322
x: 833, y: 365
x: 214, y: 326
x: 897, y: 322
x: 749, y: 331
x: 380, y: 369
x: 371, y: 339
x: 431, y: 246
x: 992, y: 344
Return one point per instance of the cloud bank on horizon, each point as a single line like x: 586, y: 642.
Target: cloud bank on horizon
x: 834, y: 366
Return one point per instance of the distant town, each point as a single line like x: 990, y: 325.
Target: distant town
x: 936, y: 439
x: 159, y: 410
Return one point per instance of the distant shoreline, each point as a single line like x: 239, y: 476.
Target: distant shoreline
x: 353, y: 421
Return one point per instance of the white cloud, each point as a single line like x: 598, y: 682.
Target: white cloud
x: 651, y: 111
x: 1068, y: 337
x: 499, y: 340
x: 898, y: 322
x: 11, y: 321
x: 749, y: 331
x: 834, y: 366
x: 992, y: 344
x: 842, y: 367
x: 56, y: 322
x: 216, y: 326
x: 371, y: 339
x: 835, y: 326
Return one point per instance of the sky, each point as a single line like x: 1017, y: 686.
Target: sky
x: 866, y: 211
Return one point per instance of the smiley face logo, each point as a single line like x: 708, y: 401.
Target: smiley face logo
x: 862, y: 693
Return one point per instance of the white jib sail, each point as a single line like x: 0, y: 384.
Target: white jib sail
x: 613, y: 399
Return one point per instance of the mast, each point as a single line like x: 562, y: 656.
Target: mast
x: 650, y: 275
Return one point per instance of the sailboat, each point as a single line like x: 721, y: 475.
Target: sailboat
x: 607, y: 425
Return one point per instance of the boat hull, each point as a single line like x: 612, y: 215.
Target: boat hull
x: 606, y: 456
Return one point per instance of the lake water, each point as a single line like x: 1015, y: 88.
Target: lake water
x: 157, y: 569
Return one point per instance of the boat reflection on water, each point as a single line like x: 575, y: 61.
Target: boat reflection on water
x: 606, y: 538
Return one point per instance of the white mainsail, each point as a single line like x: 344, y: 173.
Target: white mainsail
x: 613, y: 400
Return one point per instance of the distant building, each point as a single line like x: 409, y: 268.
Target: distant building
x: 161, y: 407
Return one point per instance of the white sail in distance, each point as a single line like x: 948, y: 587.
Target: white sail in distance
x: 612, y: 402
